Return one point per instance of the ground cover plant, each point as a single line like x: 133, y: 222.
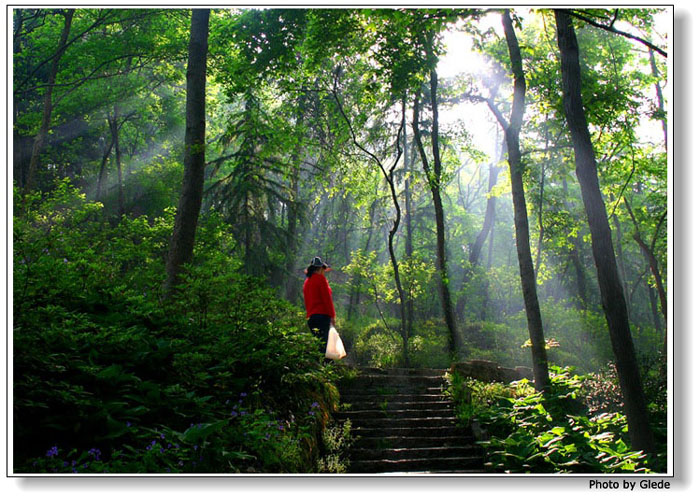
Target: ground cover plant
x: 576, y: 426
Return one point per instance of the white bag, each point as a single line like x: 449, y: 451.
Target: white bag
x: 334, y: 349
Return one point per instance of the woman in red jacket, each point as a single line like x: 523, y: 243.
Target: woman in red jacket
x: 318, y: 299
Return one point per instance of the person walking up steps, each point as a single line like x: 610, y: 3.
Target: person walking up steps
x: 318, y: 299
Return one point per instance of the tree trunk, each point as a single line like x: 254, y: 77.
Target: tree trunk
x: 540, y: 208
x: 114, y: 127
x: 292, y: 281
x: 48, y: 106
x: 522, y: 230
x: 659, y: 96
x: 356, y: 293
x: 489, y: 215
x: 620, y: 255
x: 182, y: 241
x: 389, y: 178
x: 408, y: 171
x: 612, y: 296
x: 433, y: 176
x: 648, y: 252
x: 653, y: 307
x: 103, y: 165
x: 575, y: 256
x: 486, y: 228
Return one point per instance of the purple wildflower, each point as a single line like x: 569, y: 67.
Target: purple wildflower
x: 52, y: 452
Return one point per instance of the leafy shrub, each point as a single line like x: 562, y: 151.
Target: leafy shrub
x: 378, y: 346
x: 337, y: 441
x: 473, y: 397
x: 545, y: 432
x: 224, y: 377
x: 428, y: 347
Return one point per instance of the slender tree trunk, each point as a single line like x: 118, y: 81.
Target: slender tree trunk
x: 389, y: 178
x: 575, y: 256
x: 433, y: 175
x: 356, y: 293
x: 522, y: 230
x: 659, y: 96
x: 486, y: 228
x: 408, y: 171
x: 648, y: 252
x: 182, y: 241
x: 620, y: 257
x: 489, y: 215
x: 103, y: 165
x: 48, y: 105
x: 653, y: 307
x: 292, y: 282
x: 540, y: 208
x: 612, y: 296
x: 114, y: 127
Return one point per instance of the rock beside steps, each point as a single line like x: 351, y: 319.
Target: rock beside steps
x: 403, y: 423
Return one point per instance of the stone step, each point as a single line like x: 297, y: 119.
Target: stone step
x: 372, y: 380
x: 409, y: 441
x: 396, y: 406
x: 412, y: 453
x: 388, y: 392
x: 401, y: 431
x: 363, y: 397
x: 467, y: 463
x: 403, y: 423
x: 396, y: 414
x: 408, y: 422
x: 401, y: 371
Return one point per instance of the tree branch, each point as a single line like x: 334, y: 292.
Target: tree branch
x: 611, y: 29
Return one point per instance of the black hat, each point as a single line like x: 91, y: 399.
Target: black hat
x: 317, y: 262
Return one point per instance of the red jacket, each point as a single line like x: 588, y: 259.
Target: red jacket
x: 318, y: 296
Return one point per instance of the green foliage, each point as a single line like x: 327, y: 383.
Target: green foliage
x: 378, y: 346
x: 548, y: 432
x: 222, y: 378
x: 337, y: 441
x: 427, y: 347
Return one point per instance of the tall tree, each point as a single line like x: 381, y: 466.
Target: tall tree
x: 182, y: 241
x: 612, y: 295
x: 389, y: 176
x: 434, y: 175
x: 48, y: 103
x: 648, y: 251
x: 486, y: 227
x: 522, y: 230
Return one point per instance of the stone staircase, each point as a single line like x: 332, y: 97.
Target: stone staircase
x: 403, y: 423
